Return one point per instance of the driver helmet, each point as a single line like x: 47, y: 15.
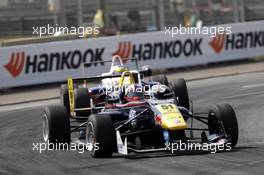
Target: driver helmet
x: 134, y: 92
x: 119, y: 69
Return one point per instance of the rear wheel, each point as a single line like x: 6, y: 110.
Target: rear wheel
x: 100, y: 131
x: 225, y: 114
x: 179, y: 87
x: 82, y: 100
x: 162, y: 79
x: 64, y: 97
x: 56, y: 125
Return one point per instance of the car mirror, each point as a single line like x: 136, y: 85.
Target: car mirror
x: 146, y: 71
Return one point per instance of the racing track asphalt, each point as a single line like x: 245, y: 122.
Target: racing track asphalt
x: 19, y: 128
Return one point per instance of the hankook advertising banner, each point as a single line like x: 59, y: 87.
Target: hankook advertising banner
x: 54, y: 62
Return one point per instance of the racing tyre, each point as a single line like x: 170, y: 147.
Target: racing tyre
x: 100, y: 132
x: 82, y: 100
x: 162, y: 79
x: 56, y: 125
x: 225, y: 114
x: 64, y: 97
x: 179, y: 87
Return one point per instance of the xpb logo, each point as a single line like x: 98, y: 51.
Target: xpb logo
x: 124, y: 50
x: 16, y: 63
x: 218, y: 42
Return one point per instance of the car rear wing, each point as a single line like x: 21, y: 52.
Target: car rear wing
x: 116, y: 57
x: 145, y: 69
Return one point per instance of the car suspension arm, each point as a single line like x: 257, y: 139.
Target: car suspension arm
x: 129, y: 120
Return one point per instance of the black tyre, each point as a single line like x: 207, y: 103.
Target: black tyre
x: 227, y: 116
x: 100, y: 130
x: 64, y: 97
x: 56, y: 125
x: 162, y: 79
x: 82, y: 100
x: 179, y: 87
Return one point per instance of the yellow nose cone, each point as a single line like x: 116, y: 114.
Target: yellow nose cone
x: 171, y: 118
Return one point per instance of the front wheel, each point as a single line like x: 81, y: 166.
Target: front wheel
x: 56, y: 125
x: 100, y: 135
x: 226, y: 115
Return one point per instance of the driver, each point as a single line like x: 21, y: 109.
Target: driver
x: 119, y: 69
x: 116, y: 70
x: 132, y: 93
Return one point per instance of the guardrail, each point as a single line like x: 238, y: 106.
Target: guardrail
x: 34, y: 40
x: 51, y: 62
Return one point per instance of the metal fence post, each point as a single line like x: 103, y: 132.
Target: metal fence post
x: 153, y: 14
x: 161, y: 14
x: 242, y: 10
x: 236, y: 10
x: 80, y: 12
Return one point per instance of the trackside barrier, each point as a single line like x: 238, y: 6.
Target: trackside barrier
x: 52, y: 62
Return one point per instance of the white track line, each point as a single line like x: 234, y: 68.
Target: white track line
x: 243, y: 95
x: 253, y: 85
x: 28, y: 105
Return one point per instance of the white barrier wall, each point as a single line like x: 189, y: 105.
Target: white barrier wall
x: 52, y: 62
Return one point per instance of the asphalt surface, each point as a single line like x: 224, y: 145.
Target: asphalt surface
x: 20, y: 127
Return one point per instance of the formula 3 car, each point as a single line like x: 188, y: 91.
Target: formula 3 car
x: 138, y: 123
